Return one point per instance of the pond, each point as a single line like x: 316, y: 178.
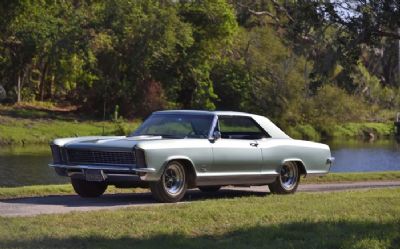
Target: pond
x: 27, y: 165
x: 364, y: 156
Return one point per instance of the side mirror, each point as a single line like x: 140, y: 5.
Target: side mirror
x: 215, y: 136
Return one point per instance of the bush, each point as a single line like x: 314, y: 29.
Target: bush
x: 332, y: 105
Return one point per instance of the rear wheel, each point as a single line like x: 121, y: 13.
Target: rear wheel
x: 88, y: 189
x: 209, y: 188
x: 173, y: 183
x: 287, y: 181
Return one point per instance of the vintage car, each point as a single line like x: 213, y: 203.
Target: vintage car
x: 176, y: 150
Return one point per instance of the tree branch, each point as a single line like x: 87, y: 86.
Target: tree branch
x: 259, y: 13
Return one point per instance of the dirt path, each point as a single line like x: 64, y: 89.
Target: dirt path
x: 63, y: 204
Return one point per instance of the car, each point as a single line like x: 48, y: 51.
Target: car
x: 176, y: 150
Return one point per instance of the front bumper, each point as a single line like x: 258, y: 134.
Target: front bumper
x: 113, y: 174
x: 104, y: 167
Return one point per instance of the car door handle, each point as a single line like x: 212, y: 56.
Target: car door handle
x: 254, y: 144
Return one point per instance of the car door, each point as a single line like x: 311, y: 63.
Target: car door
x: 236, y: 152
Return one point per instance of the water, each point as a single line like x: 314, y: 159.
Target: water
x: 364, y: 156
x: 27, y: 165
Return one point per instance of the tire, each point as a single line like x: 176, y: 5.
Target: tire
x: 287, y: 181
x: 88, y: 189
x: 172, y: 185
x: 209, y: 188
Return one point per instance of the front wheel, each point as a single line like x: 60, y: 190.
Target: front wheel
x: 287, y: 181
x: 88, y: 189
x: 173, y: 184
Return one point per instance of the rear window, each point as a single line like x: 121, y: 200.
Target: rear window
x: 238, y: 127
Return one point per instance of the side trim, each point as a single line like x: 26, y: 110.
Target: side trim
x: 238, y: 174
x: 316, y: 173
x: 235, y: 180
x: 293, y: 160
x: 296, y: 160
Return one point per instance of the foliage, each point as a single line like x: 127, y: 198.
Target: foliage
x: 298, y: 62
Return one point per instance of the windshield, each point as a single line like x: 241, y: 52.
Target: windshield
x: 176, y: 126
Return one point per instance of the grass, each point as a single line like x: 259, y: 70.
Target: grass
x: 364, y: 130
x: 66, y: 189
x: 353, y: 219
x: 53, y: 189
x: 25, y: 131
x: 355, y: 177
x: 40, y: 122
x: 29, y: 125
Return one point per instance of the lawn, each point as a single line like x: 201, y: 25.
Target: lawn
x: 66, y: 189
x: 352, y: 219
x: 355, y: 177
x: 39, y: 125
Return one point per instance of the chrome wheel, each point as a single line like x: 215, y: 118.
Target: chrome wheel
x: 174, y: 179
x: 289, y: 176
x: 172, y: 185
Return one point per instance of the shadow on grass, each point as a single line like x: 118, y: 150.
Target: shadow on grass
x: 307, y: 235
x: 114, y: 200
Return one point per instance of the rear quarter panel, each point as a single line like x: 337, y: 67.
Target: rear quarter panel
x: 313, y: 155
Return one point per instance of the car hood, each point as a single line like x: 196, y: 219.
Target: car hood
x: 103, y: 142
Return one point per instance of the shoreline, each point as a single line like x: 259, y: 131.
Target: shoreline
x: 17, y: 131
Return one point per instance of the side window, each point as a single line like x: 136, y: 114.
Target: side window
x: 240, y: 127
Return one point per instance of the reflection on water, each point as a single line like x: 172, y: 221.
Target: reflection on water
x: 28, y: 165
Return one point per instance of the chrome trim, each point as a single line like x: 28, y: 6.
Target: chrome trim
x: 144, y: 170
x: 89, y: 167
x: 212, y: 128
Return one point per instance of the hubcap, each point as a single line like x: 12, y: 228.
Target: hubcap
x: 174, y: 179
x: 289, y: 176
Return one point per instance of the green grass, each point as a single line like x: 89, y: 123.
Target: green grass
x: 66, y: 189
x: 354, y: 177
x: 39, y: 123
x: 26, y: 131
x: 353, y: 219
x: 363, y: 129
x: 348, y: 130
x: 55, y: 189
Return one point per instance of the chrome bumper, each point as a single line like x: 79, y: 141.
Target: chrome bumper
x: 103, y: 167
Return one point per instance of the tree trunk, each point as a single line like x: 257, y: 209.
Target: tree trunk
x: 19, y: 88
x: 42, y: 81
x: 51, y: 86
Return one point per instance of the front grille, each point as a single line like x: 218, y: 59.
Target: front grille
x: 100, y: 157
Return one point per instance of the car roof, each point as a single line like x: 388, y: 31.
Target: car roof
x: 200, y: 112
x: 273, y: 130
